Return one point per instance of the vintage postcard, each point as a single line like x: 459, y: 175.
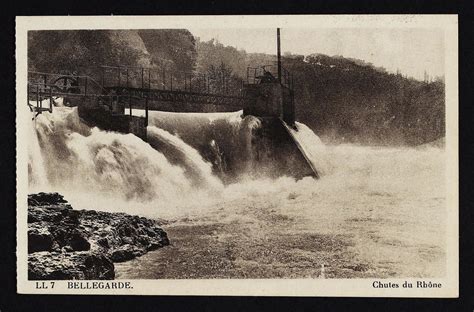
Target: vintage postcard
x: 238, y: 155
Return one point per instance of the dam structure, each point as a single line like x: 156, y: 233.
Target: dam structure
x: 110, y: 102
x: 119, y: 98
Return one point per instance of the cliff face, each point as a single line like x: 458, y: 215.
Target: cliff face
x: 83, y: 244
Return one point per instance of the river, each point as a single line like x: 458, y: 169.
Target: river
x: 375, y: 212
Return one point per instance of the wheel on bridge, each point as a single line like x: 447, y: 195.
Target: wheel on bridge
x: 66, y: 84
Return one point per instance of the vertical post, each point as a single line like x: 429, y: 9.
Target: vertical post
x: 50, y: 99
x: 44, y: 80
x: 190, y: 83
x: 223, y: 83
x: 37, y: 96
x: 279, y: 55
x: 147, y: 96
x: 146, y: 109
x: 130, y: 101
x: 85, y: 87
x: 171, y: 85
x: 119, y: 74
x: 103, y: 76
x: 164, y: 79
x: 208, y: 85
x: 126, y: 73
x: 142, y: 78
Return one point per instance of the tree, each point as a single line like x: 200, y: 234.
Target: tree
x: 82, y: 50
x: 175, y: 48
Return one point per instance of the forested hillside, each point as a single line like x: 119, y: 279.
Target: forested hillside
x: 82, y: 50
x: 348, y: 100
x: 342, y: 100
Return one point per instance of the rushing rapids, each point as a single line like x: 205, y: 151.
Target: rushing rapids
x: 196, y: 170
x: 187, y: 156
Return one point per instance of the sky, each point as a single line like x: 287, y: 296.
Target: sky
x: 410, y: 50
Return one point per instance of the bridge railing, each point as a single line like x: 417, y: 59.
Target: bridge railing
x: 162, y: 79
x: 66, y: 84
x: 37, y: 94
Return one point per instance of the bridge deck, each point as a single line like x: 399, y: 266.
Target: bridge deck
x: 157, y: 96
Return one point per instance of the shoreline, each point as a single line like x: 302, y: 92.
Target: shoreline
x: 64, y: 243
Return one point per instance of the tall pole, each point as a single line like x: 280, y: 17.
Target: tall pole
x: 279, y: 55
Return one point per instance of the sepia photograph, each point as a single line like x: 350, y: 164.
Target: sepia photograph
x: 318, y: 151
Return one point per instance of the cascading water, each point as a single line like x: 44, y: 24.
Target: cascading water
x: 179, y: 153
x: 222, y: 139
x: 187, y: 163
x: 100, y: 164
x: 370, y: 198
x: 187, y: 156
x: 36, y: 167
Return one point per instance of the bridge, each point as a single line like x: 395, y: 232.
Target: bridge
x: 113, y: 90
x: 107, y: 96
x: 153, y: 89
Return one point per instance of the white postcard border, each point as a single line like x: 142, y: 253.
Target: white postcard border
x: 248, y: 287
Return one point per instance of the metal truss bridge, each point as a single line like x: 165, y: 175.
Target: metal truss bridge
x: 148, y: 88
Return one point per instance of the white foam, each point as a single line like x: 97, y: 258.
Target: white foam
x: 103, y: 170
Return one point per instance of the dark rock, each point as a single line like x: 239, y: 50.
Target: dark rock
x: 78, y: 265
x: 68, y: 249
x: 45, y: 199
x: 103, y: 242
x: 127, y: 240
x: 32, y: 202
x: 150, y: 232
x: 162, y: 236
x: 154, y: 245
x: 77, y: 244
x: 143, y: 240
x: 39, y: 240
x: 126, y: 230
x: 71, y: 219
x: 89, y: 212
x: 32, y: 218
x: 138, y: 252
x: 56, y: 218
x: 99, y: 266
x: 123, y: 254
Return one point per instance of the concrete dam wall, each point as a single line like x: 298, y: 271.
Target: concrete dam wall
x: 278, y: 153
x: 275, y: 150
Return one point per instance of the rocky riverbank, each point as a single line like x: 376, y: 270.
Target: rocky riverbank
x: 64, y: 243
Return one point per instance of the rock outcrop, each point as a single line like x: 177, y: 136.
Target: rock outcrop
x: 64, y: 243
